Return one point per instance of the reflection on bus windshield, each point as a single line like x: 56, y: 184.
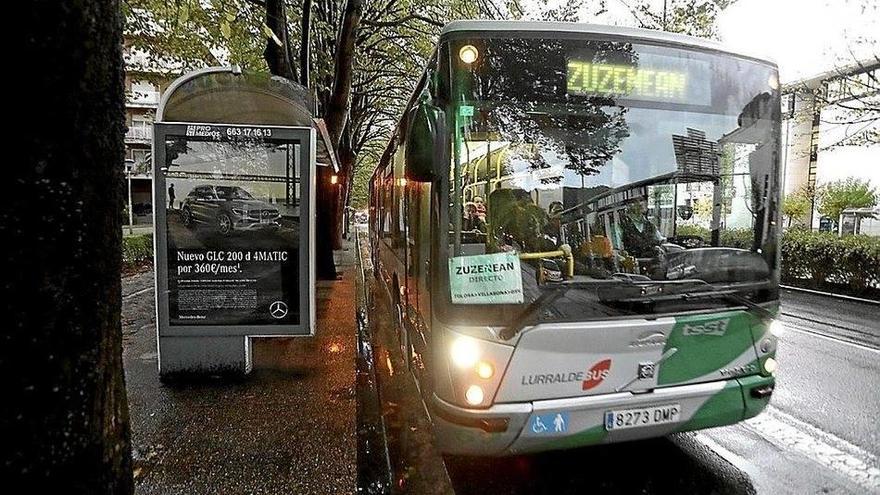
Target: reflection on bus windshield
x: 657, y: 190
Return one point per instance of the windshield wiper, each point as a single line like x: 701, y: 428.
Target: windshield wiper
x: 548, y: 297
x: 728, y: 295
x: 552, y: 294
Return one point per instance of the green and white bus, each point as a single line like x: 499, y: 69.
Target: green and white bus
x: 578, y: 228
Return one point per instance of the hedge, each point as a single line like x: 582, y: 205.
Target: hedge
x: 735, y: 238
x: 137, y: 250
x: 818, y: 260
x: 823, y: 260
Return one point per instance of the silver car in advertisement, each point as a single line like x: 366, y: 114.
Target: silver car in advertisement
x: 228, y: 209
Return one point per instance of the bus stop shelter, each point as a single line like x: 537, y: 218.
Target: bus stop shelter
x: 235, y: 157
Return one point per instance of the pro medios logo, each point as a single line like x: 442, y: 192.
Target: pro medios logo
x: 596, y: 374
x: 717, y: 327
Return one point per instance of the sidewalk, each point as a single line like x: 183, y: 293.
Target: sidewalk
x: 145, y: 229
x: 289, y: 427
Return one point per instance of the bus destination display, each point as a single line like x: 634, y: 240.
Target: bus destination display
x: 661, y: 82
x: 589, y: 78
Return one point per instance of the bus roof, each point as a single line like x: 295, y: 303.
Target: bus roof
x: 517, y: 27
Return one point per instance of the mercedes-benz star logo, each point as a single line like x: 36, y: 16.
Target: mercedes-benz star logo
x: 278, y: 309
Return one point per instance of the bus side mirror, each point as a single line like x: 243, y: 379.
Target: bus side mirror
x: 423, y: 133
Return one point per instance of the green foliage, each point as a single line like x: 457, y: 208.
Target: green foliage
x: 851, y: 192
x: 703, y: 209
x: 859, y: 263
x: 737, y: 238
x: 796, y: 206
x: 814, y: 259
x: 734, y: 238
x: 394, y: 41
x: 360, y: 191
x: 692, y: 17
x: 818, y: 259
x: 137, y: 250
x: 182, y: 35
x: 692, y: 230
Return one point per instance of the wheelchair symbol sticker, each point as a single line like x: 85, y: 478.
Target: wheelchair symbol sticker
x: 549, y: 424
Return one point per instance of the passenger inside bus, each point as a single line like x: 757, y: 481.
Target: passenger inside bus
x: 516, y: 221
x: 480, y: 209
x: 635, y: 233
x: 473, y: 222
x: 553, y: 228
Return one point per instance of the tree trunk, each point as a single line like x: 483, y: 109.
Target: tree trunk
x: 305, y: 44
x: 346, y: 175
x: 331, y: 197
x: 279, y: 57
x: 325, y: 199
x: 338, y: 107
x: 67, y: 416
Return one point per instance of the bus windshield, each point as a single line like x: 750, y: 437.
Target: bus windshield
x: 595, y: 161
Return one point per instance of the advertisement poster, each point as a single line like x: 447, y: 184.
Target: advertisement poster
x: 486, y: 279
x: 232, y: 229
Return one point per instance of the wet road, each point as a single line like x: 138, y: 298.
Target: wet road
x: 820, y: 434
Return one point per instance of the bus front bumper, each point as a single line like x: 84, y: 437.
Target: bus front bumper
x: 506, y: 429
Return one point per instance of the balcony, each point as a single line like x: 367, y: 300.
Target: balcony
x: 139, y: 135
x: 142, y: 99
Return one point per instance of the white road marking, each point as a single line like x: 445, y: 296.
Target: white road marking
x: 137, y: 293
x: 828, y: 294
x: 794, y: 435
x: 789, y: 326
x: 728, y: 455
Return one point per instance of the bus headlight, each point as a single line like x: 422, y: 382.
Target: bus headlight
x: 464, y: 352
x: 474, y: 395
x: 468, y: 54
x: 776, y: 328
x: 485, y: 370
x: 770, y: 365
x: 473, y: 369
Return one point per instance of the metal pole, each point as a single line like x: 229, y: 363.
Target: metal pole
x: 130, y: 206
x: 664, y: 15
x: 129, y: 166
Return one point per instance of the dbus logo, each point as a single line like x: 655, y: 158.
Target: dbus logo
x: 596, y: 374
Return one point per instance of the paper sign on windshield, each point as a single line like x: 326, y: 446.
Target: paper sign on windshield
x: 486, y: 279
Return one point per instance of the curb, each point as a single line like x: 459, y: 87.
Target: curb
x: 830, y: 294
x: 373, y: 461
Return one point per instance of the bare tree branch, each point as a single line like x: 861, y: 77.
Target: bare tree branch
x: 403, y: 20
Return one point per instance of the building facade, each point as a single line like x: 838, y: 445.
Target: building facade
x: 143, y: 89
x: 825, y: 133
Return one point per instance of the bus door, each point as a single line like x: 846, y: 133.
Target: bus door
x: 418, y: 273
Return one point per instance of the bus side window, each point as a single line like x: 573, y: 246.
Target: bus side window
x: 387, y: 185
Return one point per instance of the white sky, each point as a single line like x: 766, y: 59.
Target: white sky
x: 805, y: 37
